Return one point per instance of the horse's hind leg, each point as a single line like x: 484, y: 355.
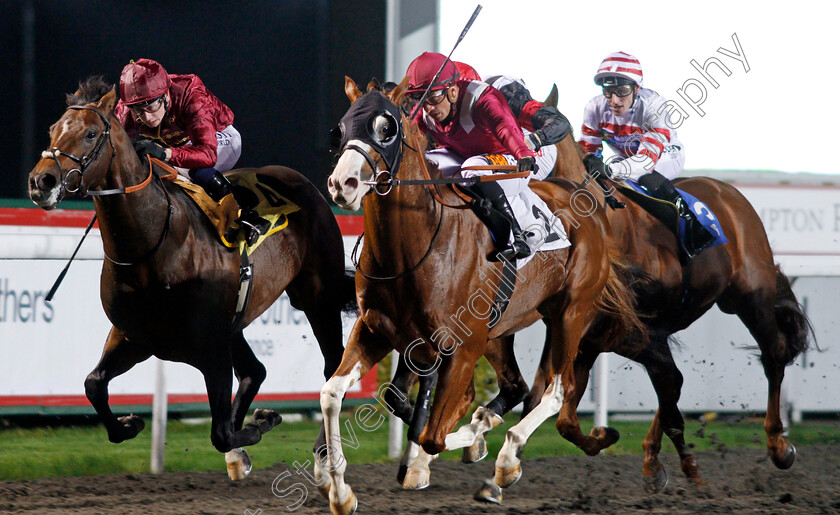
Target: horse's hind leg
x: 118, y: 357
x: 250, y: 373
x: 756, y: 311
x: 667, y: 382
x: 543, y: 376
x: 223, y: 434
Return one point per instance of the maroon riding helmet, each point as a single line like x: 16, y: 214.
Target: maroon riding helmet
x: 422, y: 70
x: 142, y: 81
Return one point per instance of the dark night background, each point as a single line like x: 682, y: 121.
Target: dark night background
x: 278, y: 64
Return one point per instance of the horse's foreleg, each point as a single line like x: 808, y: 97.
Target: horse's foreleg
x: 568, y: 425
x: 414, y: 473
x: 118, y: 357
x: 453, y: 396
x: 364, y: 349
x: 667, y: 382
x: 512, y: 389
x: 396, y: 398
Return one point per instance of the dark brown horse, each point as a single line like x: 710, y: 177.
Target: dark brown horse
x: 432, y: 300
x: 739, y: 276
x: 168, y: 285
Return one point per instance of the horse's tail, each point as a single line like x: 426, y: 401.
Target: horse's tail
x: 618, y: 303
x: 347, y: 292
x: 791, y: 318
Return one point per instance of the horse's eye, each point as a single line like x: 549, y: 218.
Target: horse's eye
x: 385, y: 128
x: 90, y: 134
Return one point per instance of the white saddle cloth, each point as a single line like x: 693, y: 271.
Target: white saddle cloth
x: 534, y: 216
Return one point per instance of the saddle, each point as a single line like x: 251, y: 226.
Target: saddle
x: 251, y: 190
x: 694, y: 233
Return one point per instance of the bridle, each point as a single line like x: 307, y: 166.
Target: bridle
x: 85, y: 161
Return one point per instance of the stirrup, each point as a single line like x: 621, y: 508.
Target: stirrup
x: 252, y: 229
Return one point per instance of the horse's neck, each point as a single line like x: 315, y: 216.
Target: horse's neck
x: 130, y: 223
x: 398, y: 224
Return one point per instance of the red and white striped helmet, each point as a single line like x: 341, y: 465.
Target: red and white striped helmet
x: 621, y: 65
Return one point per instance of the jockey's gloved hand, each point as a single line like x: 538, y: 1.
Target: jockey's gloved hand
x: 146, y: 147
x: 595, y: 167
x: 527, y: 163
x: 533, y: 141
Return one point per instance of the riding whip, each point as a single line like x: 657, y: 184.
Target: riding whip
x: 463, y: 33
x: 55, y: 285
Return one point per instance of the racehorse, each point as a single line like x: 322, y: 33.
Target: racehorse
x: 168, y: 285
x: 740, y: 276
x: 423, y: 270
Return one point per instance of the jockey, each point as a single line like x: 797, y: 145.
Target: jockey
x: 630, y: 119
x: 472, y: 125
x: 174, y: 118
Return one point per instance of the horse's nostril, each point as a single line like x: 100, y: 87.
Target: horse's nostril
x: 352, y: 183
x: 46, y: 182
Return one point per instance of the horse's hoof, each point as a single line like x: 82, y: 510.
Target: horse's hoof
x: 788, y: 457
x: 130, y: 426
x: 489, y: 492
x: 238, y: 464
x: 506, y: 478
x: 605, y: 435
x: 266, y: 419
x: 416, y: 479
x: 476, y: 452
x: 656, y: 484
x: 347, y: 507
x: 401, y: 473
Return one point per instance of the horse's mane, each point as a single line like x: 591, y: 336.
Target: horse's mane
x: 90, y: 90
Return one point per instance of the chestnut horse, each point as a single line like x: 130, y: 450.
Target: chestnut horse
x: 740, y: 276
x: 168, y: 285
x: 424, y: 264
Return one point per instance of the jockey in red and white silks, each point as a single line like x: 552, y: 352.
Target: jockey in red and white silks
x: 639, y: 137
x: 631, y: 120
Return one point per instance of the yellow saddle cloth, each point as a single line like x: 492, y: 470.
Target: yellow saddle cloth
x: 269, y: 204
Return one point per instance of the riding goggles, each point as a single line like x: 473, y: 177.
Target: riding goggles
x: 149, y: 106
x: 621, y: 91
x: 434, y: 98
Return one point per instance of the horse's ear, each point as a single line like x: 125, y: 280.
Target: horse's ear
x: 397, y: 94
x: 108, y: 101
x: 351, y: 90
x: 551, y: 99
x: 374, y: 85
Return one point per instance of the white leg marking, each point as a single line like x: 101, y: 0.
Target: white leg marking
x: 483, y: 420
x: 508, y: 462
x: 331, y: 395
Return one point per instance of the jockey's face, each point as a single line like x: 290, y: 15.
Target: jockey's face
x: 438, y: 104
x: 152, y: 114
x: 620, y: 105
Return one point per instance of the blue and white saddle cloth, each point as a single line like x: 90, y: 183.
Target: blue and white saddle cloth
x: 704, y: 215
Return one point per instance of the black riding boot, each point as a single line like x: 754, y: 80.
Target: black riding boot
x: 493, y: 209
x: 697, y: 237
x: 217, y: 187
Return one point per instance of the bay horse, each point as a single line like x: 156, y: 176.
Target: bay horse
x: 740, y: 276
x: 169, y: 286
x: 424, y: 264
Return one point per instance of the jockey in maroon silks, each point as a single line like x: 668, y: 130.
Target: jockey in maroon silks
x: 473, y: 125
x: 175, y: 118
